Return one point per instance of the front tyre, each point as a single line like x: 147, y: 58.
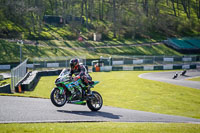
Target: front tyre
x: 58, y: 99
x: 95, y: 102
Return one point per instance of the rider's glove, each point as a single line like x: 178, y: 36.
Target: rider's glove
x: 70, y: 78
x: 76, y: 78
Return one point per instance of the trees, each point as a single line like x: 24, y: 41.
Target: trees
x: 121, y: 17
x: 197, y: 8
x: 186, y: 7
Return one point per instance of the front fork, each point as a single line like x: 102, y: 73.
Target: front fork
x: 62, y: 91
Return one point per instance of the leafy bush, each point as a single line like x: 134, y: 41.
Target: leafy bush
x: 9, y: 30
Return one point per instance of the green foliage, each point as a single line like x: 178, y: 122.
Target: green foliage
x: 9, y: 52
x: 154, y: 19
x: 45, y: 35
x: 50, y: 32
x: 9, y: 30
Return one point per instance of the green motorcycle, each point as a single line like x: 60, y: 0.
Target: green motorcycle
x: 75, y: 92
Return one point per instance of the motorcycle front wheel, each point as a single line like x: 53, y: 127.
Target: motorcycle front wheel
x: 95, y: 102
x: 58, y: 99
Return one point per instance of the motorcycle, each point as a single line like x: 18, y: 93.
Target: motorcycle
x: 68, y: 90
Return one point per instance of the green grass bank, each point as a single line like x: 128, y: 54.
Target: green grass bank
x: 10, y: 51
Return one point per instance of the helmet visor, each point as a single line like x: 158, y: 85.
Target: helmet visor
x: 72, y: 65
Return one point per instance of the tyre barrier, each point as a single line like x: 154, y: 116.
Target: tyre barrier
x: 29, y: 83
x: 49, y: 73
x: 5, y: 89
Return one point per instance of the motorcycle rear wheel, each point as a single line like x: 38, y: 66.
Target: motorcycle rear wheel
x: 95, y: 102
x: 58, y: 99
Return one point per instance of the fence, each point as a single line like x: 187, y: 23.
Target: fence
x: 17, y: 74
x: 56, y: 62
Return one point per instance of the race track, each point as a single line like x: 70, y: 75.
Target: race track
x: 25, y: 110
x: 180, y: 80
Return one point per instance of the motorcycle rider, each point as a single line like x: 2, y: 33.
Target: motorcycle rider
x: 81, y: 72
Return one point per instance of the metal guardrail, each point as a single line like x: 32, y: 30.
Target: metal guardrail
x: 158, y: 60
x: 17, y: 74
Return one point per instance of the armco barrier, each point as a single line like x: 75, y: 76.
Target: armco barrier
x: 106, y: 68
x: 115, y: 61
x: 177, y: 66
x: 138, y: 68
x: 5, y: 67
x: 158, y: 68
x: 128, y: 61
x: 127, y: 68
x: 193, y: 66
x: 148, y: 68
x: 117, y: 68
x: 168, y: 67
x: 185, y: 66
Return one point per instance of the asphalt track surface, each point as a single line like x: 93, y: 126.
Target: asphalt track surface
x: 33, y: 110
x: 180, y: 80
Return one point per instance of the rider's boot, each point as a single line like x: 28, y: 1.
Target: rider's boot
x: 89, y: 92
x: 89, y: 85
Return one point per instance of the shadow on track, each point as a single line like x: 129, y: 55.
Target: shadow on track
x: 186, y: 76
x: 90, y: 113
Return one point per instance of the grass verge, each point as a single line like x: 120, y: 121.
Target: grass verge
x: 126, y: 90
x: 107, y: 127
x: 195, y: 79
x: 5, y: 81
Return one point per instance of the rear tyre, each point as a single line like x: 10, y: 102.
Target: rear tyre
x: 95, y: 102
x: 58, y: 99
